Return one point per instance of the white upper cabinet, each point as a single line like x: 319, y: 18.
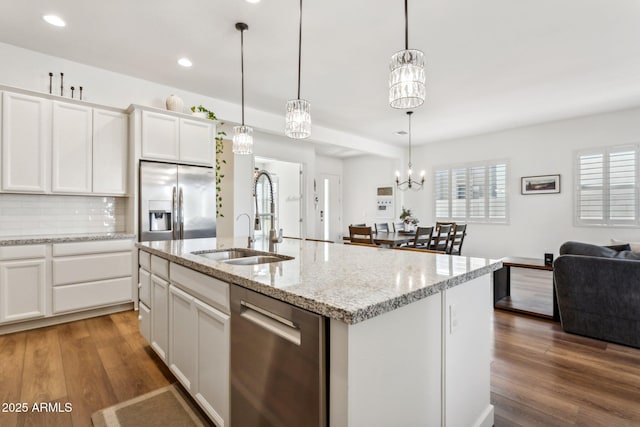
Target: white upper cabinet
x: 160, y: 136
x: 196, y: 142
x: 72, y: 151
x: 26, y: 141
x: 172, y: 138
x: 110, y: 133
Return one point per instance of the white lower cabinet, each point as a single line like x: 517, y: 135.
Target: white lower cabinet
x: 190, y: 335
x: 181, y: 339
x: 22, y: 289
x: 212, y: 362
x: 159, y: 316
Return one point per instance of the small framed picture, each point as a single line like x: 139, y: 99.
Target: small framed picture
x: 543, y: 184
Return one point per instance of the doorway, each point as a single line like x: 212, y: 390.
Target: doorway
x: 328, y: 207
x: 287, y: 177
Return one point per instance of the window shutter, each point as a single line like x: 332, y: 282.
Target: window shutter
x: 477, y: 193
x: 459, y: 193
x: 441, y: 191
x: 497, y: 192
x: 606, y: 190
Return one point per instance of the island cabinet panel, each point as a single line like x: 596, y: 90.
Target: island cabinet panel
x: 395, y: 354
x: 212, y: 362
x: 160, y: 136
x: 22, y: 289
x: 159, y: 316
x: 72, y: 152
x: 467, y: 340
x: 26, y: 143
x: 181, y: 336
x: 144, y: 316
x: 144, y: 286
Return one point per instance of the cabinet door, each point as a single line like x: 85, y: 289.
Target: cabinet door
x: 22, y: 289
x: 159, y: 316
x: 181, y: 339
x: 110, y: 143
x: 160, y: 134
x: 26, y: 141
x: 72, y: 157
x: 196, y: 142
x: 212, y: 362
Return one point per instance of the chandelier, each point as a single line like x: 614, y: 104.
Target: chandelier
x: 407, y: 76
x: 409, y: 183
x: 242, y: 135
x: 298, y: 116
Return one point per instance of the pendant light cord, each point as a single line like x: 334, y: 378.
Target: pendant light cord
x: 409, y: 113
x: 299, y: 49
x: 242, y: 69
x: 406, y: 24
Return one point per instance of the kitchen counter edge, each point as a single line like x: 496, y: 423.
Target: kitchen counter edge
x: 62, y: 238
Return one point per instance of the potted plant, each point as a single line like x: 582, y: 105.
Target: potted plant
x: 202, y: 112
x: 409, y: 220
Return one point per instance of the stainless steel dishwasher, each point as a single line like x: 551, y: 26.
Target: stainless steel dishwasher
x: 278, y: 363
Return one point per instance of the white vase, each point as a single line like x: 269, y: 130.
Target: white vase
x: 174, y: 103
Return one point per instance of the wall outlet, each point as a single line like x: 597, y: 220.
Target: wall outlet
x: 453, y: 319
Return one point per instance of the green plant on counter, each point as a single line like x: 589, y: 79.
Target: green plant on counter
x: 219, y: 150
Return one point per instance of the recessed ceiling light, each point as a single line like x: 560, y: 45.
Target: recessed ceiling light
x: 252, y: 1
x: 401, y: 132
x: 54, y: 20
x: 184, y: 62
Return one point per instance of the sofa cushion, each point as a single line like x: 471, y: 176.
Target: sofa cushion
x: 634, y: 246
x: 587, y: 249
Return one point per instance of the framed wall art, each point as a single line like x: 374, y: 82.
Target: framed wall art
x: 542, y: 184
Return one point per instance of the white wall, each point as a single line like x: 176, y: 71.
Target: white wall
x: 538, y: 223
x: 362, y: 177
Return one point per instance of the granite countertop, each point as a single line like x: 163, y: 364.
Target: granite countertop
x: 62, y: 238
x: 343, y: 282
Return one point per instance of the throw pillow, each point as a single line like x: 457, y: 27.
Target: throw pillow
x: 635, y: 246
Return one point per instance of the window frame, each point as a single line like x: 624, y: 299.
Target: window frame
x: 469, y: 207
x: 606, y: 220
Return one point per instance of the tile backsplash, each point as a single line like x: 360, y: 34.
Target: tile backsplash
x: 27, y: 214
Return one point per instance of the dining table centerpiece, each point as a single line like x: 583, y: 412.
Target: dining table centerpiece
x: 409, y: 220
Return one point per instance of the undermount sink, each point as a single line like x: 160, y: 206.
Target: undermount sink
x: 241, y: 256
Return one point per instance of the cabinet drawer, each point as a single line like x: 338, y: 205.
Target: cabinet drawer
x: 144, y: 317
x: 85, y: 248
x: 89, y: 268
x: 160, y: 267
x: 144, y: 286
x: 93, y: 294
x: 22, y: 252
x: 210, y: 290
x: 144, y: 259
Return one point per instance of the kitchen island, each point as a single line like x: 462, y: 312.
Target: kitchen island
x: 408, y: 333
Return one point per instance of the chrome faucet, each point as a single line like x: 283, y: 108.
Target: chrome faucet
x: 273, y: 236
x: 250, y: 237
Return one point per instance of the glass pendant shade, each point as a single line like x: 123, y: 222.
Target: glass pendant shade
x: 242, y: 140
x: 407, y: 79
x: 298, y: 119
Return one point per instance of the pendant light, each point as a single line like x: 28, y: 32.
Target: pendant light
x: 298, y: 116
x: 407, y: 76
x: 409, y: 183
x: 242, y: 135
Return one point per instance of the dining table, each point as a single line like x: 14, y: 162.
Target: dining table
x: 393, y: 238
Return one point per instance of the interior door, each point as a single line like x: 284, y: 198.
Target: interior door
x: 328, y: 207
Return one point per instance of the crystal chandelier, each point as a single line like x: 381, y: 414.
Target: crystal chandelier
x: 407, y: 76
x: 298, y: 116
x: 242, y: 135
x: 409, y: 183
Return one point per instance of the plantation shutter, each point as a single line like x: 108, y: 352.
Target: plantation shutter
x: 441, y: 191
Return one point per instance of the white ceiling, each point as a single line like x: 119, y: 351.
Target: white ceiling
x: 491, y: 64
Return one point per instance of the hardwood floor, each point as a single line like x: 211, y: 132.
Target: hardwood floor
x: 540, y: 376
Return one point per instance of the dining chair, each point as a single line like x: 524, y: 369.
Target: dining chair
x: 423, y: 237
x: 454, y: 247
x: 360, y: 234
x: 441, y: 235
x: 382, y: 227
x: 398, y: 226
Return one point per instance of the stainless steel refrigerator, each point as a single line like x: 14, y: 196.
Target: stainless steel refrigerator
x: 176, y: 201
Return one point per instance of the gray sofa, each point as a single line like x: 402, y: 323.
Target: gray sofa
x: 598, y: 291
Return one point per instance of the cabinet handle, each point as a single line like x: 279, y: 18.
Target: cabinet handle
x: 280, y: 326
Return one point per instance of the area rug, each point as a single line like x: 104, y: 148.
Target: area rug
x: 163, y: 407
